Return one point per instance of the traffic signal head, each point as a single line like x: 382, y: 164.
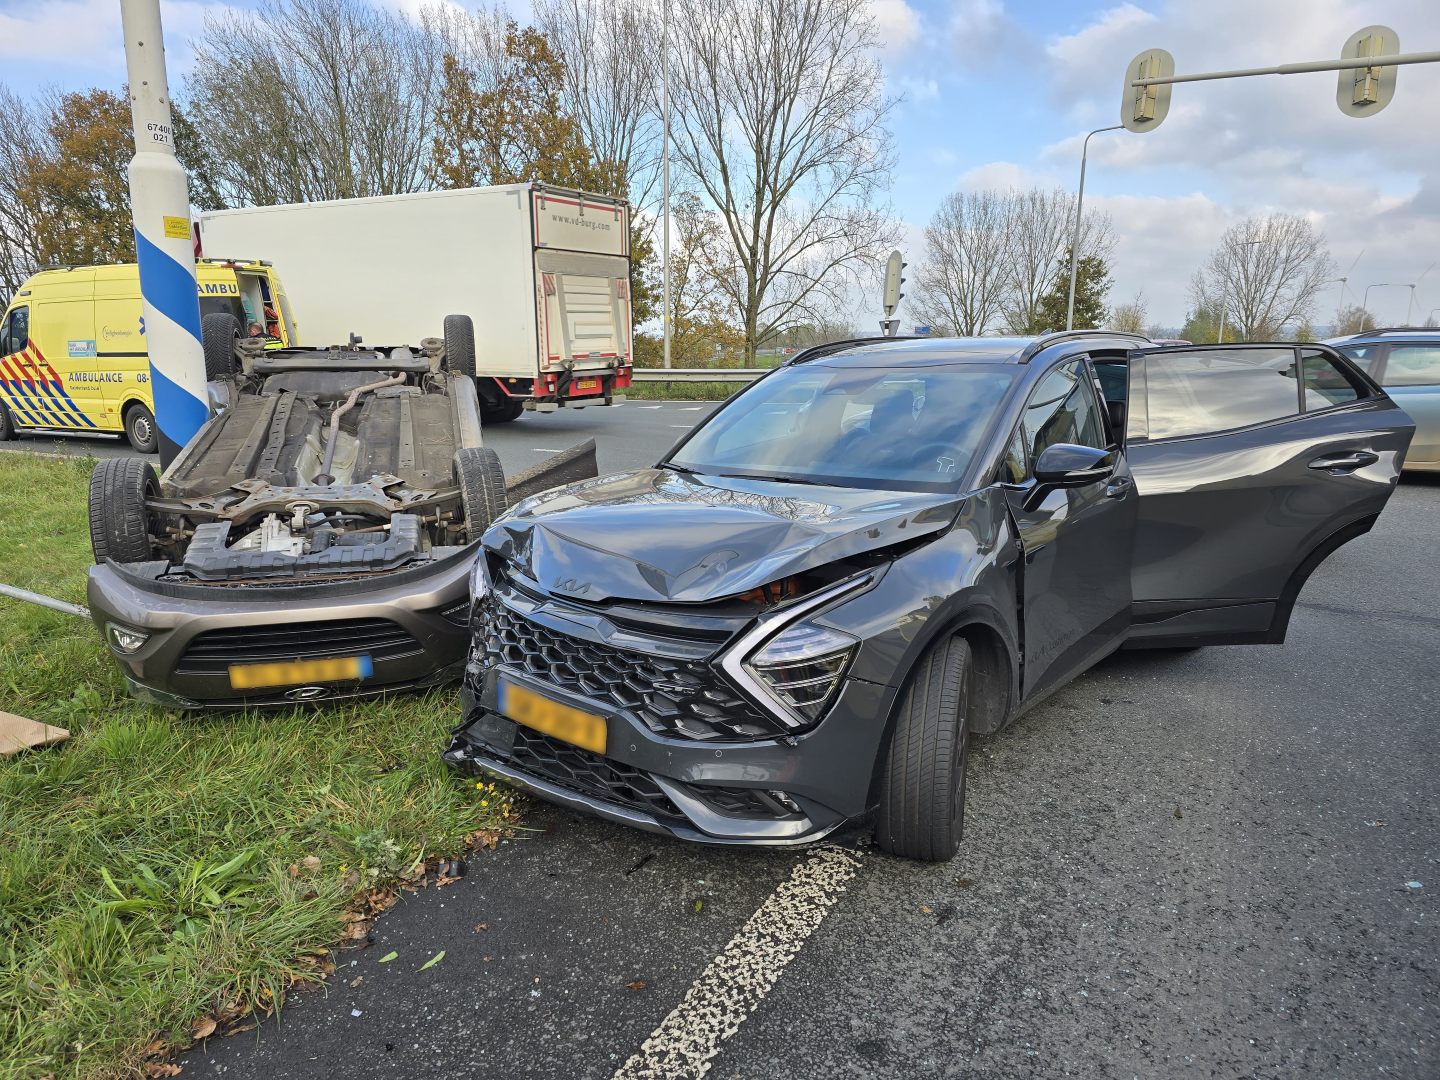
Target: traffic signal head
x: 1142, y: 108
x: 893, y: 281
x: 1364, y: 91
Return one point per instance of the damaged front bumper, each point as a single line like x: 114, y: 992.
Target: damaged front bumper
x: 767, y: 792
x: 411, y: 626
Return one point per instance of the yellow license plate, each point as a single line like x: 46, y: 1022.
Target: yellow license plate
x: 544, y: 715
x: 586, y: 384
x: 336, y: 669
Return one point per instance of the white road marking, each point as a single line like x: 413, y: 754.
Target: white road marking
x: 650, y: 406
x: 543, y: 450
x: 718, y: 1002
x: 685, y: 426
x: 697, y: 408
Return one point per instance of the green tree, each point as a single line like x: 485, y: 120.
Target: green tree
x: 1202, y: 326
x: 1092, y: 286
x: 79, y: 181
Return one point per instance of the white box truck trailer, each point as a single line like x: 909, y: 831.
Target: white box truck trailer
x: 543, y: 273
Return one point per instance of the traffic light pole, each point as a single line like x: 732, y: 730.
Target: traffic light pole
x: 160, y: 206
x: 1075, y: 235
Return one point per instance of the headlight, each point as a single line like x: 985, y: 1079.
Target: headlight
x: 126, y: 639
x: 802, y: 667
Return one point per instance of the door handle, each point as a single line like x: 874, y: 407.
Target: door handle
x: 1117, y: 487
x: 1339, y: 464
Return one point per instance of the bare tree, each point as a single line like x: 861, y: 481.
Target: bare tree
x: 1130, y: 317
x: 963, y: 282
x: 325, y: 99
x: 23, y: 141
x: 610, y: 57
x: 779, y: 117
x: 1265, y: 274
x: 1040, y: 229
x: 1352, y: 319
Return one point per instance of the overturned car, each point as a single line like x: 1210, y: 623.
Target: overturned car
x: 315, y: 538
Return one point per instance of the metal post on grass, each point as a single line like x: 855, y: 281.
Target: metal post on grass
x: 160, y: 208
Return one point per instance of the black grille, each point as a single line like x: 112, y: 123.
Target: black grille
x: 672, y: 697
x: 590, y: 774
x: 212, y: 652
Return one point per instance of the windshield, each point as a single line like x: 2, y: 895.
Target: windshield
x: 914, y: 429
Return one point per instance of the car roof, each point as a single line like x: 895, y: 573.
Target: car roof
x: 931, y: 351
x: 1389, y: 333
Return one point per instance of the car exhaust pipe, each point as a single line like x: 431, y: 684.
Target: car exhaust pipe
x: 323, y: 477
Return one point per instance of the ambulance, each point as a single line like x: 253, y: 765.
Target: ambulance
x: 73, y: 358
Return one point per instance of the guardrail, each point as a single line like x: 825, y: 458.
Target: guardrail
x: 698, y: 375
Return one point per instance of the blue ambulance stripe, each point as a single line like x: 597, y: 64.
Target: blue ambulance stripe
x: 66, y: 420
x: 65, y: 395
x: 169, y: 287
x: 22, y: 384
x: 12, y: 397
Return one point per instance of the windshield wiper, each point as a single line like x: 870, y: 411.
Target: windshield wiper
x: 679, y: 468
x: 779, y: 479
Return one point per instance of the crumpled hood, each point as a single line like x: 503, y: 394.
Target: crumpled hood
x: 655, y: 534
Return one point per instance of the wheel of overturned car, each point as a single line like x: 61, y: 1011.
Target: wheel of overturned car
x: 922, y: 788
x: 482, y: 488
x: 507, y: 410
x: 120, y: 526
x: 140, y: 429
x: 219, y: 336
x: 460, y: 345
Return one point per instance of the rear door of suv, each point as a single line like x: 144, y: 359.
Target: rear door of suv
x: 1253, y: 463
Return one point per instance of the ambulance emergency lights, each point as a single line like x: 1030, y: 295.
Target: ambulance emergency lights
x: 160, y: 207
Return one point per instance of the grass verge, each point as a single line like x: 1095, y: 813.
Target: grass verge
x: 682, y: 391
x: 150, y: 868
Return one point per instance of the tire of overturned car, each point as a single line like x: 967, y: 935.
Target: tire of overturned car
x: 120, y: 526
x: 219, y: 333
x: 460, y: 345
x: 482, y: 488
x: 922, y: 788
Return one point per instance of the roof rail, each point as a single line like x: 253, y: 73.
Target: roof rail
x: 830, y: 348
x: 1392, y: 330
x: 1046, y: 340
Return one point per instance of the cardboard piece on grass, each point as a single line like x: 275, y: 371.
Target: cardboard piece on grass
x: 19, y: 733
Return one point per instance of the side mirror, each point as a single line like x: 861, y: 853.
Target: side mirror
x: 1069, y: 465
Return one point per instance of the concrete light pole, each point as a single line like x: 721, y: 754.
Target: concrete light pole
x: 1365, y: 303
x: 1075, y: 235
x: 665, y: 168
x: 160, y: 207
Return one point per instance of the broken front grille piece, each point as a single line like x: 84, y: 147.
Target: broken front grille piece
x: 590, y: 774
x: 684, y: 698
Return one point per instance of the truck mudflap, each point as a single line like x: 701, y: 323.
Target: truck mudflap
x: 554, y: 390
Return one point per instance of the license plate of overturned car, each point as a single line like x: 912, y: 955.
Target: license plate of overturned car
x: 331, y: 669
x: 552, y: 718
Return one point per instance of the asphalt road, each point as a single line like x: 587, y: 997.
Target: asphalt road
x: 1184, y: 864
x: 627, y: 436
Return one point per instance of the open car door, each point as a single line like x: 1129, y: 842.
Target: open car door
x: 1253, y: 463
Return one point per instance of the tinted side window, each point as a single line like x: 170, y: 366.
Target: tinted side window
x: 1413, y: 365
x: 1364, y: 356
x: 1195, y: 393
x: 1063, y: 409
x: 1325, y: 384
x: 16, y: 333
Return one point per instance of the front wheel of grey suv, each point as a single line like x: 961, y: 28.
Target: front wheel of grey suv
x: 922, y: 789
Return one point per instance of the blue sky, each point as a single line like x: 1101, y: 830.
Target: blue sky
x: 999, y: 94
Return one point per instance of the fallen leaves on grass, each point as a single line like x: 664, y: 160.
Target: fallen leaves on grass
x: 238, y: 1030
x: 159, y: 1068
x: 203, y: 1028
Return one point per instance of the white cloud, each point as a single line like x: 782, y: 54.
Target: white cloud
x: 1255, y: 145
x: 87, y: 34
x: 897, y: 23
x: 1004, y: 175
